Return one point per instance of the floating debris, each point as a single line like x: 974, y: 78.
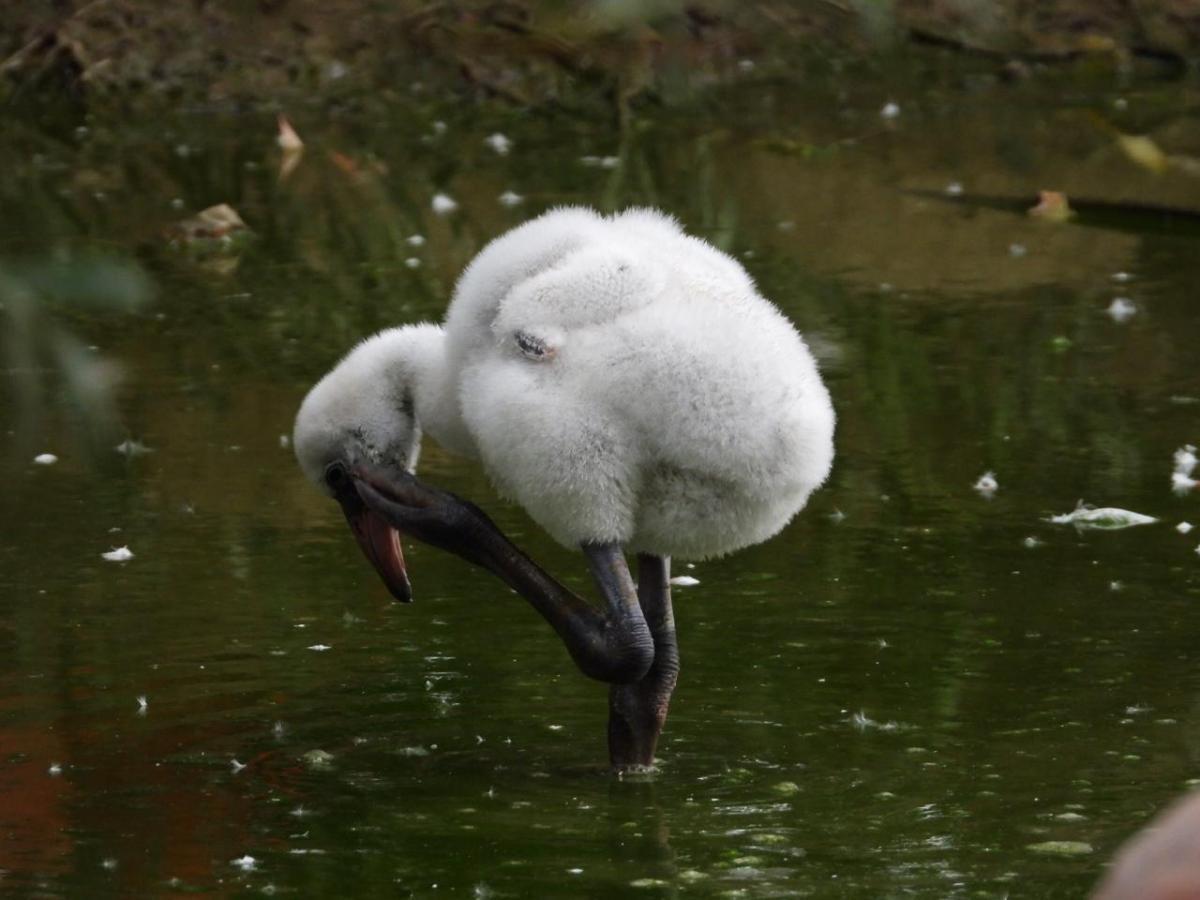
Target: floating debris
x: 236, y: 766
x: 120, y: 554
x: 1185, y: 459
x: 1108, y: 518
x: 954, y: 189
x: 291, y: 146
x: 1061, y: 848
x: 1182, y: 484
x: 143, y: 704
x: 1122, y: 277
x: 1184, y: 527
x: 1016, y: 251
x: 45, y: 459
x: 320, y: 648
x: 510, y: 199
x: 837, y: 517
x: 499, y: 142
x: 1142, y: 150
x: 132, y: 448
x: 786, y: 788
x: 1052, y: 206
x: 284, y: 442
x: 318, y: 759
x: 412, y: 262
x: 648, y: 883
x: 862, y: 722
x: 890, y: 110
x: 443, y: 204
x: 246, y: 863
x: 600, y: 162
x: 987, y: 485
x: 55, y: 769
x: 1031, y: 542
x: 1121, y: 310
x: 685, y: 581
x: 219, y: 222
x: 415, y: 240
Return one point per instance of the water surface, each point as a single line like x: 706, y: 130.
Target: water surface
x: 897, y: 696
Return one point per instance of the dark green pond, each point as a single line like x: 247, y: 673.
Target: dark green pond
x: 900, y: 695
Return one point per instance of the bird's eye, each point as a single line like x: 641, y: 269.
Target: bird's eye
x: 336, y: 476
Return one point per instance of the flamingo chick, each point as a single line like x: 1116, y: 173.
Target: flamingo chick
x: 622, y: 381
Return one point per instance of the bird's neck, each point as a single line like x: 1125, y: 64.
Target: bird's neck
x: 428, y: 378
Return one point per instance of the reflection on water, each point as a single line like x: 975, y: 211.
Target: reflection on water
x: 901, y: 694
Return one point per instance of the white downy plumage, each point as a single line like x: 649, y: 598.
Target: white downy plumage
x: 621, y: 380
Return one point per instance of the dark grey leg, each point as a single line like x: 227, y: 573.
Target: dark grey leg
x: 638, y: 710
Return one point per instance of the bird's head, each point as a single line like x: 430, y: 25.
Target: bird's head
x: 359, y: 422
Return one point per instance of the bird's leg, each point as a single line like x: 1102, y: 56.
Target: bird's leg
x: 615, y: 646
x: 637, y: 711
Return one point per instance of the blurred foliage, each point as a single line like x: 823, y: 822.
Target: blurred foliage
x: 40, y: 349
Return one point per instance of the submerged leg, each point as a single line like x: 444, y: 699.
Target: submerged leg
x: 637, y: 711
x: 614, y: 646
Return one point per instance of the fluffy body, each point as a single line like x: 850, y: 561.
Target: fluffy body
x: 619, y: 379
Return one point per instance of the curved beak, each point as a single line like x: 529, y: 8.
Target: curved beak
x: 379, y: 540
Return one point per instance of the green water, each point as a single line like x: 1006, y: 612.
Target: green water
x: 897, y: 696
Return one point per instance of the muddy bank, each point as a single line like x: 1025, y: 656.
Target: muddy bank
x: 543, y: 54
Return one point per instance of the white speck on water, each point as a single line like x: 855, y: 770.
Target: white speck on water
x: 745, y: 65
x: 413, y: 751
x: 890, y: 110
x: 132, y: 448
x: 1122, y: 309
x: 987, y: 485
x: 439, y: 127
x: 299, y: 812
x: 555, y: 727
x: 1031, y: 542
x: 1016, y: 251
x: 1198, y: 548
x: 862, y: 722
x: 1185, y: 459
x: 837, y: 517
x: 499, y: 142
x: 482, y: 892
x: 1108, y: 517
x: 1184, y: 527
x: 1115, y: 586
x: 413, y: 263
x: 510, y: 199
x: 685, y: 581
x: 55, y: 769
x: 143, y: 704
x: 284, y: 441
x: 109, y: 863
x: 236, y: 766
x: 1181, y: 483
x: 443, y: 204
x: 954, y: 189
x: 246, y: 863
x: 415, y: 240
x: 1121, y: 277
x: 279, y: 729
x: 600, y: 162
x: 320, y: 648
x: 120, y: 554
x: 574, y: 871
x: 45, y: 459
